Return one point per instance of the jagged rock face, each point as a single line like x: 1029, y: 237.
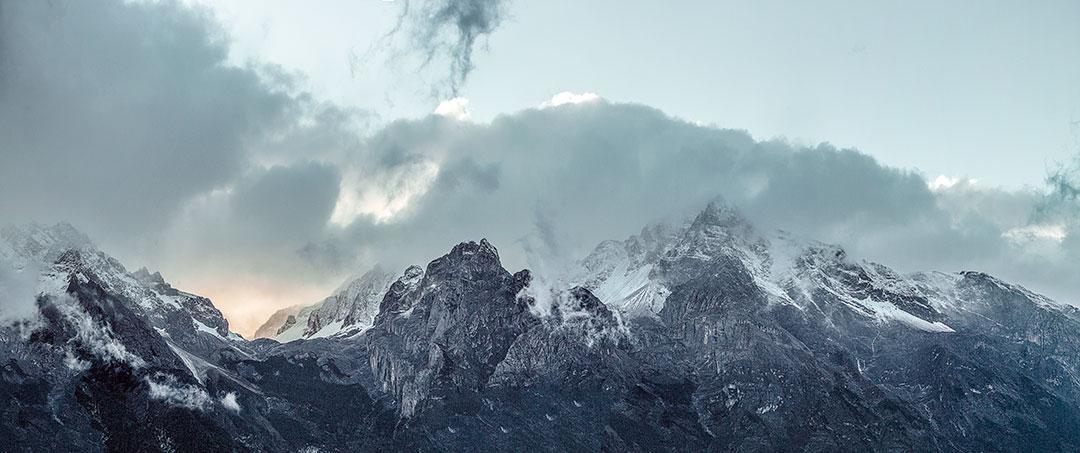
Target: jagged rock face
x: 773, y: 325
x: 622, y: 273
x: 60, y: 250
x: 439, y: 337
x: 719, y: 244
x: 582, y: 337
x: 743, y: 341
x: 93, y: 372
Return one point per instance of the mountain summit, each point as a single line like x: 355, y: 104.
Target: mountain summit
x: 710, y: 335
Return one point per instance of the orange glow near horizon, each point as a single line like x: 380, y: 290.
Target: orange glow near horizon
x: 247, y: 304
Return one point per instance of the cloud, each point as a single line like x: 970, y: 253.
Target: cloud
x: 18, y: 292
x: 97, y: 338
x: 1063, y: 201
x: 111, y: 123
x: 440, y: 31
x: 456, y: 108
x: 228, y: 401
x: 286, y: 201
x: 263, y: 218
x: 943, y: 182
x: 603, y: 170
x: 567, y: 97
x: 131, y: 109
x: 127, y: 119
x: 1024, y: 234
x: 165, y: 387
x: 244, y: 245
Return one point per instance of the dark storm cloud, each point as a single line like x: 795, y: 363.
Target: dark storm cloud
x: 290, y: 202
x: 268, y: 214
x: 128, y: 120
x: 119, y: 108
x: 113, y: 115
x: 1064, y: 197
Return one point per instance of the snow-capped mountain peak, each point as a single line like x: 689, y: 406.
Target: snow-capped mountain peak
x: 37, y: 243
x: 61, y: 252
x: 786, y: 268
x: 708, y: 335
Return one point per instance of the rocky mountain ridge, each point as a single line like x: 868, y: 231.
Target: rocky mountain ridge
x: 349, y: 310
x: 710, y: 335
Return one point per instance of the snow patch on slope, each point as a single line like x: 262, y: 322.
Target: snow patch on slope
x: 886, y: 312
x: 632, y: 291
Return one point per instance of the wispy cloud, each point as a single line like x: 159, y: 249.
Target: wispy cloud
x: 440, y: 32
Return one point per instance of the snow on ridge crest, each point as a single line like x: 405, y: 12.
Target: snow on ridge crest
x: 789, y: 269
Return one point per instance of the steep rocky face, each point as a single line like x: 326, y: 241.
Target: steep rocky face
x: 579, y: 337
x: 439, y: 337
x: 772, y: 325
x: 94, y: 372
x: 60, y: 250
x: 745, y: 342
x: 636, y: 276
x: 622, y: 272
x: 758, y: 380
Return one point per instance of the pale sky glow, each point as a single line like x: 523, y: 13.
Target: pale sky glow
x: 384, y: 200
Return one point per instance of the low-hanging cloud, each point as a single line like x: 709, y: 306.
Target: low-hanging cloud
x: 18, y: 292
x: 603, y: 170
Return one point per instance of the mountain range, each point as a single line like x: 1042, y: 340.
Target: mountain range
x: 709, y: 334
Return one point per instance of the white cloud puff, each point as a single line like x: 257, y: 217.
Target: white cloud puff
x: 228, y: 401
x: 1025, y: 234
x: 456, y: 108
x: 166, y: 388
x: 567, y: 97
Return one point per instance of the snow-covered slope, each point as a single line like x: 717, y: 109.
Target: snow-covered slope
x: 114, y: 361
x: 634, y: 276
x: 35, y: 244
x: 349, y: 310
x: 728, y: 339
x: 187, y: 318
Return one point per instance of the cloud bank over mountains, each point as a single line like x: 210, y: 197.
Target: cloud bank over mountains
x: 600, y: 170
x: 127, y: 120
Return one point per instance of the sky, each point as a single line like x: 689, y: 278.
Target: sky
x: 986, y: 90
x: 260, y: 152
